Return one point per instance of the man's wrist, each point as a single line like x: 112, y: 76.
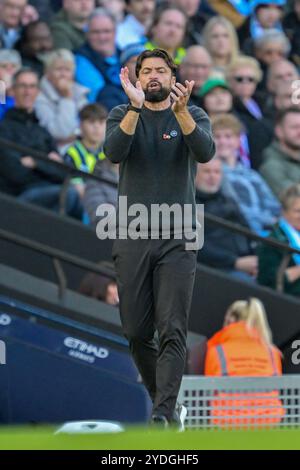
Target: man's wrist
x: 134, y: 107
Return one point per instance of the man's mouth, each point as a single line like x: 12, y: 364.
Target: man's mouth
x: 154, y: 86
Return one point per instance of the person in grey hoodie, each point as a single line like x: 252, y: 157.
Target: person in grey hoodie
x: 281, y: 160
x: 61, y: 98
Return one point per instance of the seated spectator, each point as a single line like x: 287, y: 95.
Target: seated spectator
x: 243, y: 75
x: 128, y: 59
x: 265, y: 15
x: 221, y: 41
x: 278, y: 72
x: 11, y: 22
x: 243, y: 347
x: 88, y: 150
x: 197, y: 66
x: 60, y: 99
x: 35, y: 43
x: 196, y: 20
x: 262, y: 132
x: 223, y: 249
x: 133, y: 28
x: 32, y: 180
x: 275, y: 269
x: 291, y: 26
x: 256, y: 201
x: 100, y: 287
x: 281, y: 160
x: 10, y: 63
x: 167, y: 31
x: 269, y: 48
x: 98, y: 61
x: 216, y: 97
x: 69, y: 24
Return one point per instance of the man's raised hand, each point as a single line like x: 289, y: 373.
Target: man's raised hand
x: 180, y: 95
x: 134, y: 93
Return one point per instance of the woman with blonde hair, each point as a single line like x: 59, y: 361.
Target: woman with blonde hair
x: 244, y: 348
x: 221, y: 41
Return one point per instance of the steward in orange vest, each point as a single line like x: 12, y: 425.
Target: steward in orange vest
x: 243, y: 348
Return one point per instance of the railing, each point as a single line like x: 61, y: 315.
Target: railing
x: 241, y: 402
x: 72, y: 171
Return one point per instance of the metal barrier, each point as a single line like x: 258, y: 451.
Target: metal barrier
x: 241, y: 402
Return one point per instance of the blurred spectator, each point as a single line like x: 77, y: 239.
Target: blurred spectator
x: 104, y: 192
x: 29, y: 15
x: 10, y: 63
x: 98, y: 61
x: 223, y: 249
x: 266, y: 15
x: 216, y: 96
x: 35, y: 43
x: 69, y: 24
x: 11, y: 12
x: 115, y: 7
x: 21, y: 175
x: 196, y: 65
x: 134, y: 27
x: 253, y: 196
x: 278, y: 72
x: 88, y: 150
x: 275, y: 269
x: 291, y: 25
x: 167, y: 31
x: 243, y: 347
x: 269, y: 48
x: 243, y: 75
x: 221, y: 41
x: 281, y: 160
x: 262, y: 132
x: 196, y: 20
x: 61, y: 98
x: 128, y: 59
x: 100, y: 287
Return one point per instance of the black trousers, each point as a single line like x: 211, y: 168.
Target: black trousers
x: 155, y: 282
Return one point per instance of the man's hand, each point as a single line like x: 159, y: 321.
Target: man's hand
x: 55, y: 157
x: 134, y: 93
x: 28, y: 162
x: 247, y: 264
x: 181, y: 95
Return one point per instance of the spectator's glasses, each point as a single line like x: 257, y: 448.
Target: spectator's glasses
x: 240, y: 79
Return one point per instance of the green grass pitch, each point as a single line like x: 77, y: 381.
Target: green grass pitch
x: 43, y: 438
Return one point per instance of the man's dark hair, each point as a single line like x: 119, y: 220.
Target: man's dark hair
x: 93, y: 112
x: 161, y: 54
x: 23, y: 71
x: 281, y: 115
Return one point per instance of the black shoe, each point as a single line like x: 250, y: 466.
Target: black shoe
x: 159, y: 421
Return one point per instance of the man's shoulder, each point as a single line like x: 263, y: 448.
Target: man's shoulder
x: 196, y: 111
x: 118, y: 111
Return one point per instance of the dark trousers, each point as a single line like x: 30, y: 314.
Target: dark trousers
x: 155, y: 282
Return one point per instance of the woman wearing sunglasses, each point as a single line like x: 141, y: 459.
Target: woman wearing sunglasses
x: 243, y: 75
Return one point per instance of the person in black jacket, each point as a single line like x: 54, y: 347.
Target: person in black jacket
x: 223, y: 249
x: 21, y: 175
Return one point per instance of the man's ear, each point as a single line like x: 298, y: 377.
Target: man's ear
x: 278, y: 131
x: 173, y: 80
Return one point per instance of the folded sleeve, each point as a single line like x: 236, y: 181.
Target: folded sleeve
x: 200, y: 141
x: 117, y: 143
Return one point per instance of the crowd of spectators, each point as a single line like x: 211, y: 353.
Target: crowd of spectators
x: 60, y: 62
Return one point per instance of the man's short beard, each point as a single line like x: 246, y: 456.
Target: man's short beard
x: 157, y: 96
x: 291, y: 145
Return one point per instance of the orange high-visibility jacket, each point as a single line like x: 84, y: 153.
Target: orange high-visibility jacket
x: 235, y: 351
